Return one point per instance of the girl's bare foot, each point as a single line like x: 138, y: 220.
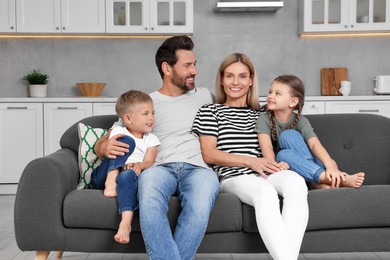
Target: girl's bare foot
x: 123, y: 234
x: 321, y: 186
x: 353, y: 181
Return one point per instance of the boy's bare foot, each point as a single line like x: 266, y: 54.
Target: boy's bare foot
x: 353, y: 181
x: 123, y: 234
x: 110, y: 191
x: 110, y: 184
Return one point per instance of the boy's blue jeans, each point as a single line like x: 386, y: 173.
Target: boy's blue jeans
x: 196, y: 188
x: 127, y: 180
x: 295, y: 152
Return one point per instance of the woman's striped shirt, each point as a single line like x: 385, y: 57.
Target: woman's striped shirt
x: 234, y: 129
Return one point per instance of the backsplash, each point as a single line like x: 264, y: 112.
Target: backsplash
x: 270, y: 39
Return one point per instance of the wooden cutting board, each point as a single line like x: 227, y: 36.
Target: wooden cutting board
x: 330, y: 80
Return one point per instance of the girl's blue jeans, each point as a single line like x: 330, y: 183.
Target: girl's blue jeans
x: 295, y: 152
x: 127, y: 180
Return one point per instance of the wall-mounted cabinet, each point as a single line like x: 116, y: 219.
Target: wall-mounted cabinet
x: 60, y: 16
x: 319, y: 16
x: 149, y: 16
x: 7, y: 16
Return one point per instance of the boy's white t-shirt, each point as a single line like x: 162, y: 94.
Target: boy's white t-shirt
x: 174, y: 118
x: 141, y: 145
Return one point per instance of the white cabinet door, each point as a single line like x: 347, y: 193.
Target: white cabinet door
x: 7, y: 16
x: 369, y: 15
x: 171, y: 16
x: 104, y: 109
x: 313, y: 107
x: 21, y: 138
x: 343, y: 15
x: 38, y: 16
x: 58, y: 118
x: 370, y: 107
x: 127, y: 16
x: 83, y: 16
x: 149, y: 16
x: 56, y: 16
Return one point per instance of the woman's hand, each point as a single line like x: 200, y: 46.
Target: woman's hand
x: 111, y: 148
x: 263, y: 166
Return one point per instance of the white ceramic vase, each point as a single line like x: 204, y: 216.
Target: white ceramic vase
x: 38, y: 91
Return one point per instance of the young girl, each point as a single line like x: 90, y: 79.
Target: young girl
x: 290, y: 136
x: 119, y: 177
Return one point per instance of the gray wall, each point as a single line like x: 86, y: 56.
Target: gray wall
x: 270, y: 39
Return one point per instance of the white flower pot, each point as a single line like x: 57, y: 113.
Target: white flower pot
x: 38, y: 90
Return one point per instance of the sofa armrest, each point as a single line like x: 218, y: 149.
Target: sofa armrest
x: 38, y: 204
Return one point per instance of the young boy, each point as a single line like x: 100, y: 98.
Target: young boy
x: 119, y: 177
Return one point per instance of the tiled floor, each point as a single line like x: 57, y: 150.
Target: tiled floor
x: 9, y: 249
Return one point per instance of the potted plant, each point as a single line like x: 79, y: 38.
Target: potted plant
x: 37, y: 83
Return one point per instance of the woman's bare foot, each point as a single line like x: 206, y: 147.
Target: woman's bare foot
x: 353, y: 181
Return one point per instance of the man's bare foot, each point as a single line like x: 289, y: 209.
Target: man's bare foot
x: 353, y: 181
x: 123, y: 234
x: 321, y: 186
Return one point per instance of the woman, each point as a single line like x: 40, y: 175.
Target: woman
x: 229, y: 143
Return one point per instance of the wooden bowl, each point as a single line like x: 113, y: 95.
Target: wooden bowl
x: 91, y: 89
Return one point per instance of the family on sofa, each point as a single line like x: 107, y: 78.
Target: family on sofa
x: 257, y: 154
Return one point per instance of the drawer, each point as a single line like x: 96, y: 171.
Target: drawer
x: 313, y: 107
x: 370, y: 107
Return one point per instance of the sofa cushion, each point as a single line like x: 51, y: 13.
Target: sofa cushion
x: 357, y: 142
x: 88, y: 208
x: 88, y: 160
x: 340, y: 208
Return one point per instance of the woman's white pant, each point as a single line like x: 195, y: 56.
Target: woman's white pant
x: 282, y: 232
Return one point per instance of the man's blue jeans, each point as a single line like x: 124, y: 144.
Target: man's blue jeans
x: 295, y: 152
x: 127, y: 180
x: 196, y: 188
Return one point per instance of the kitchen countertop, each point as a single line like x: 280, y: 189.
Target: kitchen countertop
x: 113, y: 99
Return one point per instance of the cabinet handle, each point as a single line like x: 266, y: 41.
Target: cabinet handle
x: 368, y: 110
x: 64, y: 108
x: 12, y: 27
x: 63, y: 28
x: 15, y: 108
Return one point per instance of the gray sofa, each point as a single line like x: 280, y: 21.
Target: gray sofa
x: 50, y: 214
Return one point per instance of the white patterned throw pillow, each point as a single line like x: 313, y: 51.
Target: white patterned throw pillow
x: 88, y: 160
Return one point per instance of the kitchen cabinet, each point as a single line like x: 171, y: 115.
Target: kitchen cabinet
x: 149, y: 16
x: 58, y: 118
x: 21, y: 138
x: 313, y: 107
x: 7, y: 16
x: 104, y: 109
x: 377, y: 107
x: 60, y: 16
x: 318, y: 16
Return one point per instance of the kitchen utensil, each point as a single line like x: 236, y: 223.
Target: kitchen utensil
x: 331, y: 79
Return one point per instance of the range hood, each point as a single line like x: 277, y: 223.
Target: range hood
x: 248, y: 6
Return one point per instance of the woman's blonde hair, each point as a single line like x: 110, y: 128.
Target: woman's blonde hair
x: 127, y: 100
x: 253, y: 95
